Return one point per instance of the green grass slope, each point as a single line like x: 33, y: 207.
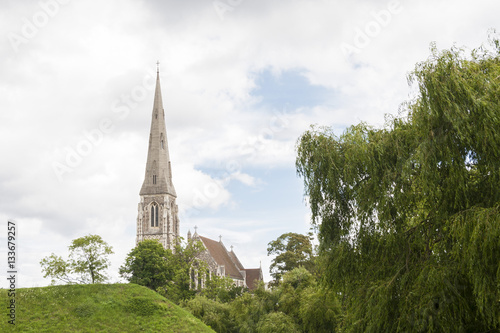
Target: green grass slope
x: 96, y: 308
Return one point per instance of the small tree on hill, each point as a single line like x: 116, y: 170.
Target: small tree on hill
x: 166, y: 271
x: 147, y: 265
x: 88, y: 258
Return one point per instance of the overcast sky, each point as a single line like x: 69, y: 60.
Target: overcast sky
x: 241, y: 80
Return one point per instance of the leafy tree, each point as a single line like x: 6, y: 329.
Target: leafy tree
x: 166, y: 271
x: 248, y: 309
x: 291, y: 289
x: 184, y: 258
x: 408, y: 214
x: 147, y: 265
x: 312, y: 307
x: 88, y: 258
x: 221, y: 288
x: 298, y: 304
x: 292, y: 250
x: 277, y: 322
x: 213, y: 313
x: 320, y: 310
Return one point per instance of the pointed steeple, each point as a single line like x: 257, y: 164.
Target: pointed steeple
x: 158, y: 178
x: 157, y: 211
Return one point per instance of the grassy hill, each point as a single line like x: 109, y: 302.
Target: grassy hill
x: 96, y: 308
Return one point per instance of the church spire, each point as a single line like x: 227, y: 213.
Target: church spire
x: 158, y: 177
x: 157, y: 216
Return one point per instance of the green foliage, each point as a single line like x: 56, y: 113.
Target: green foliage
x: 221, y: 288
x: 56, y: 267
x: 291, y: 290
x: 147, y: 265
x: 165, y: 271
x: 88, y: 259
x: 277, y: 322
x: 312, y: 307
x: 292, y: 250
x: 319, y: 310
x: 248, y: 309
x: 298, y: 304
x: 98, y: 308
x: 298, y: 279
x: 184, y: 259
x: 213, y: 313
x: 408, y: 214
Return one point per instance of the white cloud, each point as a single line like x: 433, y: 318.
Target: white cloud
x: 198, y: 190
x: 244, y: 178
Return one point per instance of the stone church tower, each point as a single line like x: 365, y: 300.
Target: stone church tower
x: 157, y: 217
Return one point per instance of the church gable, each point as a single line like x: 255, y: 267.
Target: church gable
x: 225, y: 263
x: 235, y: 259
x: 253, y: 276
x: 219, y: 253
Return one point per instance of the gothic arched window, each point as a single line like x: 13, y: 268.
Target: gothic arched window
x: 161, y: 139
x: 154, y: 215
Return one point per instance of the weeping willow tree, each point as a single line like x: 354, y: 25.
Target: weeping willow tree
x: 409, y: 215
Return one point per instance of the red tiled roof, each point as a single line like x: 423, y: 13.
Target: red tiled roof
x: 253, y: 275
x: 222, y: 257
x: 236, y: 260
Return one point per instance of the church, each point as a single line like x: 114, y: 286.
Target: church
x: 222, y: 262
x: 157, y: 216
